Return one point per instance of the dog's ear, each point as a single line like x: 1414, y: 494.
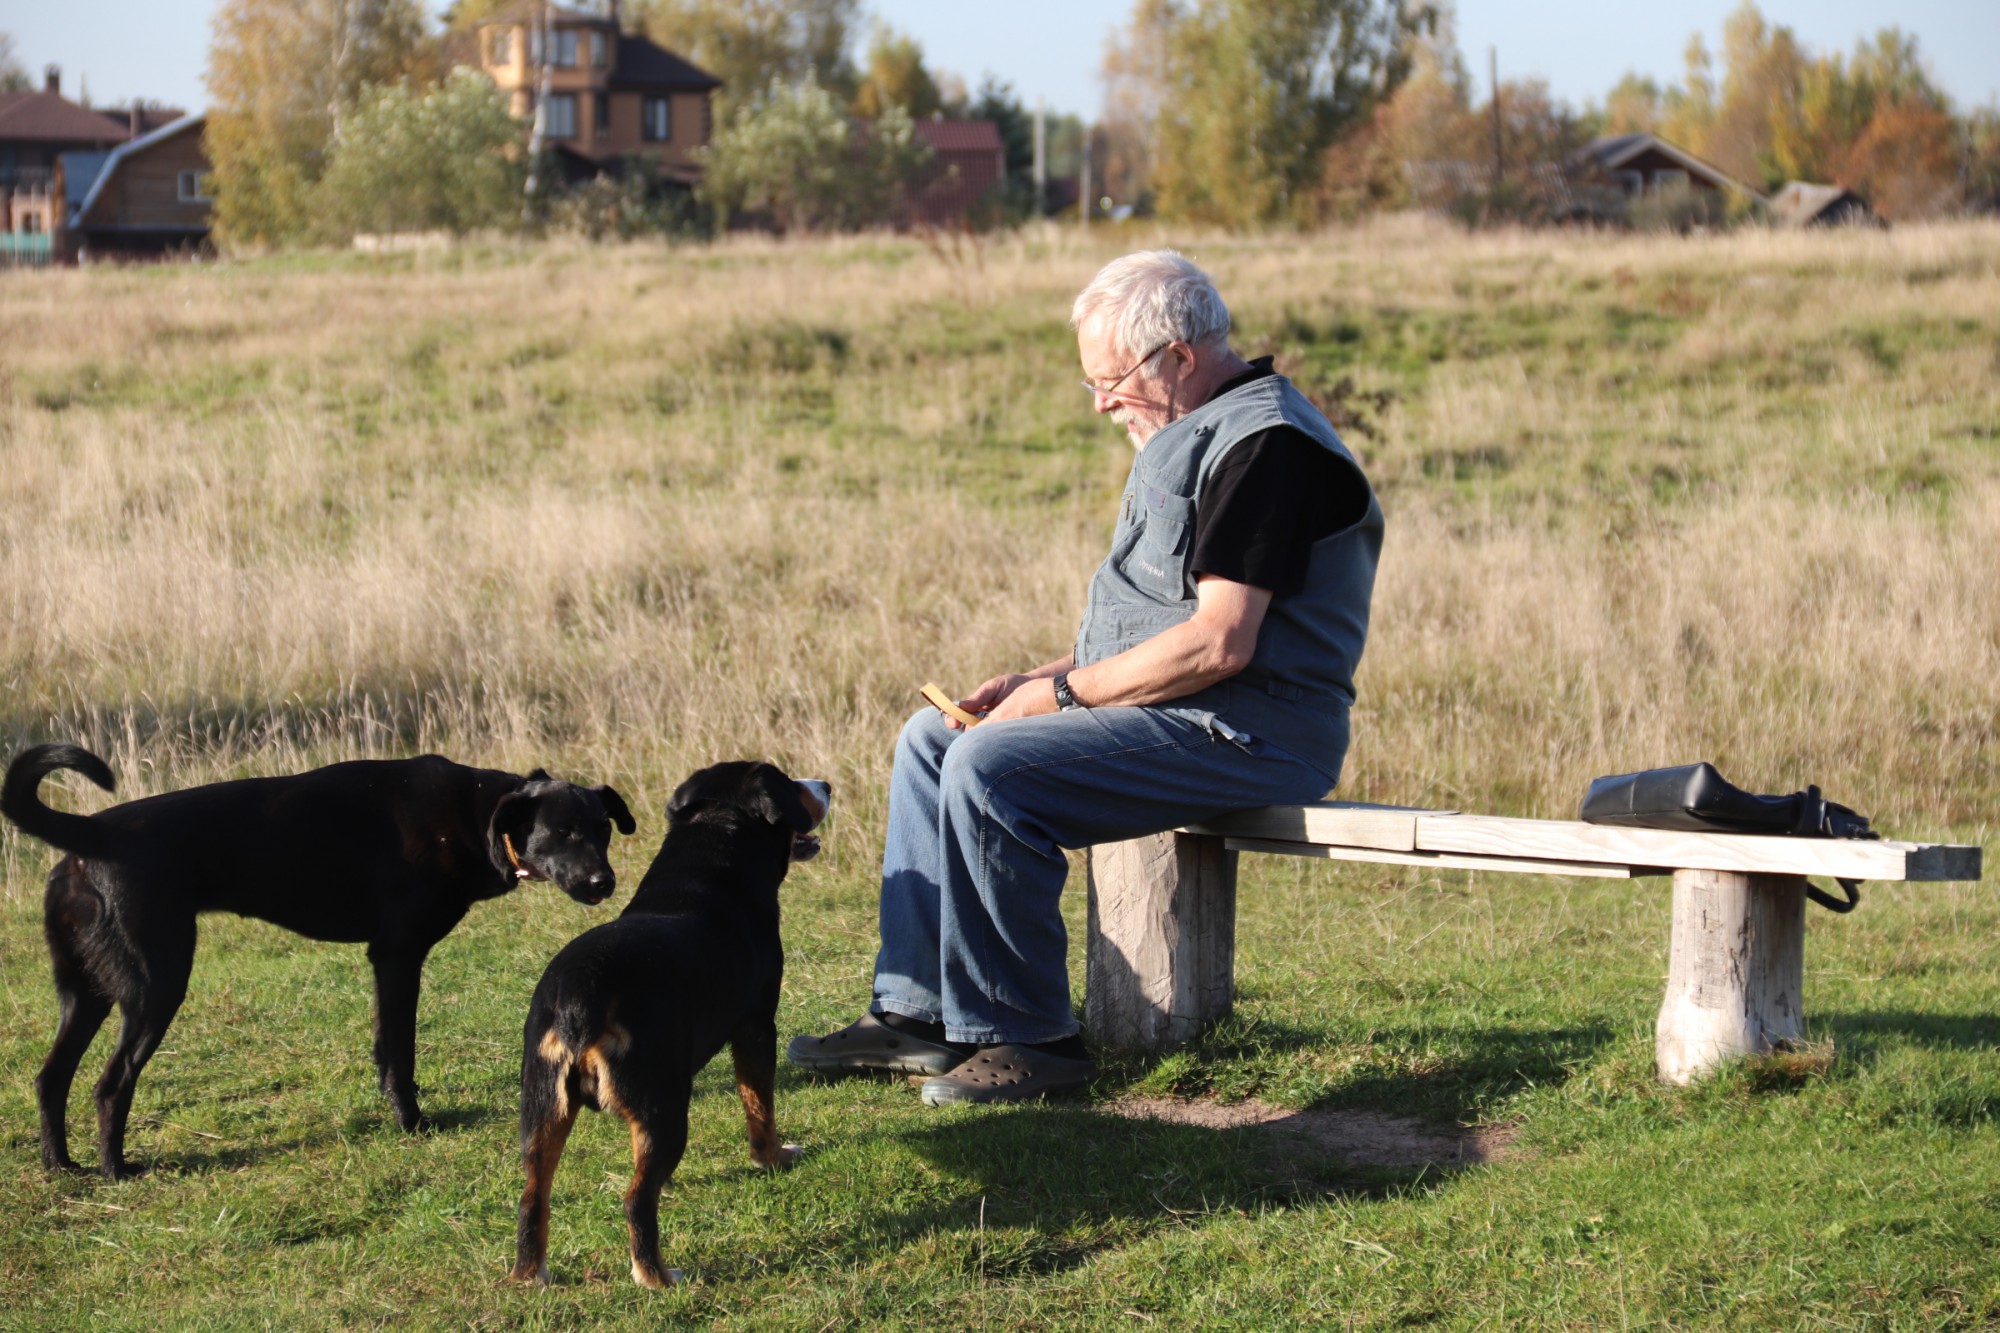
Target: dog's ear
x: 540, y: 775
x: 684, y: 795
x: 614, y: 805
x: 512, y: 819
x: 771, y: 794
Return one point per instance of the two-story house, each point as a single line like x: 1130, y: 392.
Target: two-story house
x: 612, y: 95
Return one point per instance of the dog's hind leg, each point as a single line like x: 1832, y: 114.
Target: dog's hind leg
x: 755, y: 1051
x: 659, y: 1124
x: 548, y: 1113
x: 399, y: 974
x: 83, y: 1010
x: 161, y: 979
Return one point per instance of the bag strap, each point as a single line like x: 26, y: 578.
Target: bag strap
x: 1851, y: 887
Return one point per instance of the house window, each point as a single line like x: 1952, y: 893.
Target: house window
x: 603, y: 101
x: 560, y: 46
x: 503, y: 46
x: 600, y: 49
x: 560, y: 122
x: 1632, y: 182
x: 193, y: 187
x: 1666, y: 180
x: 656, y: 123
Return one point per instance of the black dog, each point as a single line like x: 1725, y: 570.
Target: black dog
x: 387, y: 852
x: 628, y: 1013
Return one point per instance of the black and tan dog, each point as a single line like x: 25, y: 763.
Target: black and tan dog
x: 628, y: 1013
x: 387, y: 852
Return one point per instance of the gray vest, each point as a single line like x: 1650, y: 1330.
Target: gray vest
x: 1296, y: 692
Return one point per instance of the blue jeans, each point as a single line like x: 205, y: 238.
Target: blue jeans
x: 973, y: 869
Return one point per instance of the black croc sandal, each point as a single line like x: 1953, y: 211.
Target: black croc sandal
x: 1008, y: 1074
x: 869, y: 1046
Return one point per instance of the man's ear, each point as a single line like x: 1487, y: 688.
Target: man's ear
x: 776, y: 797
x: 614, y: 805
x: 512, y: 820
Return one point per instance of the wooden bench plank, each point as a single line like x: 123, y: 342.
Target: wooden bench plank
x: 1389, y: 828
x: 1555, y: 840
x: 1441, y: 860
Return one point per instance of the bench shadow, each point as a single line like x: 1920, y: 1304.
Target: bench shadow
x: 1863, y: 1034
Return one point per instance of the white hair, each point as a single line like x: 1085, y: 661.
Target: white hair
x: 1154, y: 297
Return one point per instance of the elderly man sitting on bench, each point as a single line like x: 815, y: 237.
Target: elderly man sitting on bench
x: 1213, y: 671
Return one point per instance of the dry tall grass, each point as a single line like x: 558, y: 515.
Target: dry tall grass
x: 624, y: 511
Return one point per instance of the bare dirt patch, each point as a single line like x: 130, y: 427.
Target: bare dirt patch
x: 1366, y: 1138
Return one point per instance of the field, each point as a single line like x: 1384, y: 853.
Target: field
x: 624, y: 511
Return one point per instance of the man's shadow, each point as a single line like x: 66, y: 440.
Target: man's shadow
x: 1048, y: 1185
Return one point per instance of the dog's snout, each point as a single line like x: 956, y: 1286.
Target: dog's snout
x: 819, y: 796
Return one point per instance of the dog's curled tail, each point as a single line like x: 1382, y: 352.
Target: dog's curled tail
x: 21, y: 802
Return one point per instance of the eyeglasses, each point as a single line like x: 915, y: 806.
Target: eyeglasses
x: 1111, y: 391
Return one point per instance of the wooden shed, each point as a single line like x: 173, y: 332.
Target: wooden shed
x: 148, y: 198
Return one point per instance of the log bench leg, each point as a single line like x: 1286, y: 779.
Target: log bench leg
x: 1161, y: 958
x: 1735, y: 970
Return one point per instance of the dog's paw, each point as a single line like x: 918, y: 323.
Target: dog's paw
x: 536, y: 1275
x: 783, y: 1158
x: 655, y: 1278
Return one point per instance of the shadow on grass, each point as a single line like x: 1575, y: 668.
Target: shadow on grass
x: 1050, y: 1185
x: 1864, y: 1036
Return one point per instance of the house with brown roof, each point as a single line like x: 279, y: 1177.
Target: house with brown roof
x: 965, y: 176
x: 38, y: 128
x: 612, y: 96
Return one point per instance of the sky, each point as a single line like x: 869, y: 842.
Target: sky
x: 1052, y: 49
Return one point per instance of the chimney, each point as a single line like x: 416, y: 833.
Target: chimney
x: 52, y: 80
x: 138, y: 119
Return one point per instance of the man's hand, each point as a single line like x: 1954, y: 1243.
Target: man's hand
x: 1038, y: 697
x: 987, y: 697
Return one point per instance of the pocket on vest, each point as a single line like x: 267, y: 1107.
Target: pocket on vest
x: 1158, y: 562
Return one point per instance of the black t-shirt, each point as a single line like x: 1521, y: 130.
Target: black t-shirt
x: 1271, y: 497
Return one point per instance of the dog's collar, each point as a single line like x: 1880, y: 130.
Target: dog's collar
x: 513, y: 858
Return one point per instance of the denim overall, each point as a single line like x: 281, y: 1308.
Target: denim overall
x: 973, y: 867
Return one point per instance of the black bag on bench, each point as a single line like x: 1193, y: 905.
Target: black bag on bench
x: 1695, y: 798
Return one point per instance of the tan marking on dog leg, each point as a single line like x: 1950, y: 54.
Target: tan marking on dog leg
x: 753, y: 1086
x: 538, y: 1162
x: 617, y: 1039
x: 552, y: 1048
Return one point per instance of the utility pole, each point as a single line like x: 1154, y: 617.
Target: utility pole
x: 1083, y: 183
x: 1041, y: 159
x: 1493, y: 75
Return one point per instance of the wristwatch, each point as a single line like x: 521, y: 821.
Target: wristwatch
x: 1064, y: 699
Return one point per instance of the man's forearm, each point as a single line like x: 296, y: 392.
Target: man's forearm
x: 1172, y: 664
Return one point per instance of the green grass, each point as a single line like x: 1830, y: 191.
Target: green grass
x: 621, y: 512
x: 1856, y: 1193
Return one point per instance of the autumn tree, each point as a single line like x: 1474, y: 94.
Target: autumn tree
x: 895, y: 76
x: 1427, y: 120
x: 754, y: 45
x: 282, y: 77
x: 13, y: 78
x: 1251, y: 92
x: 1631, y: 107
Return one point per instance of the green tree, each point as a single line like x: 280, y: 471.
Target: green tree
x: 444, y: 160
x: 896, y: 77
x: 13, y: 78
x: 1252, y: 92
x: 282, y: 76
x: 794, y: 155
x: 754, y: 45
